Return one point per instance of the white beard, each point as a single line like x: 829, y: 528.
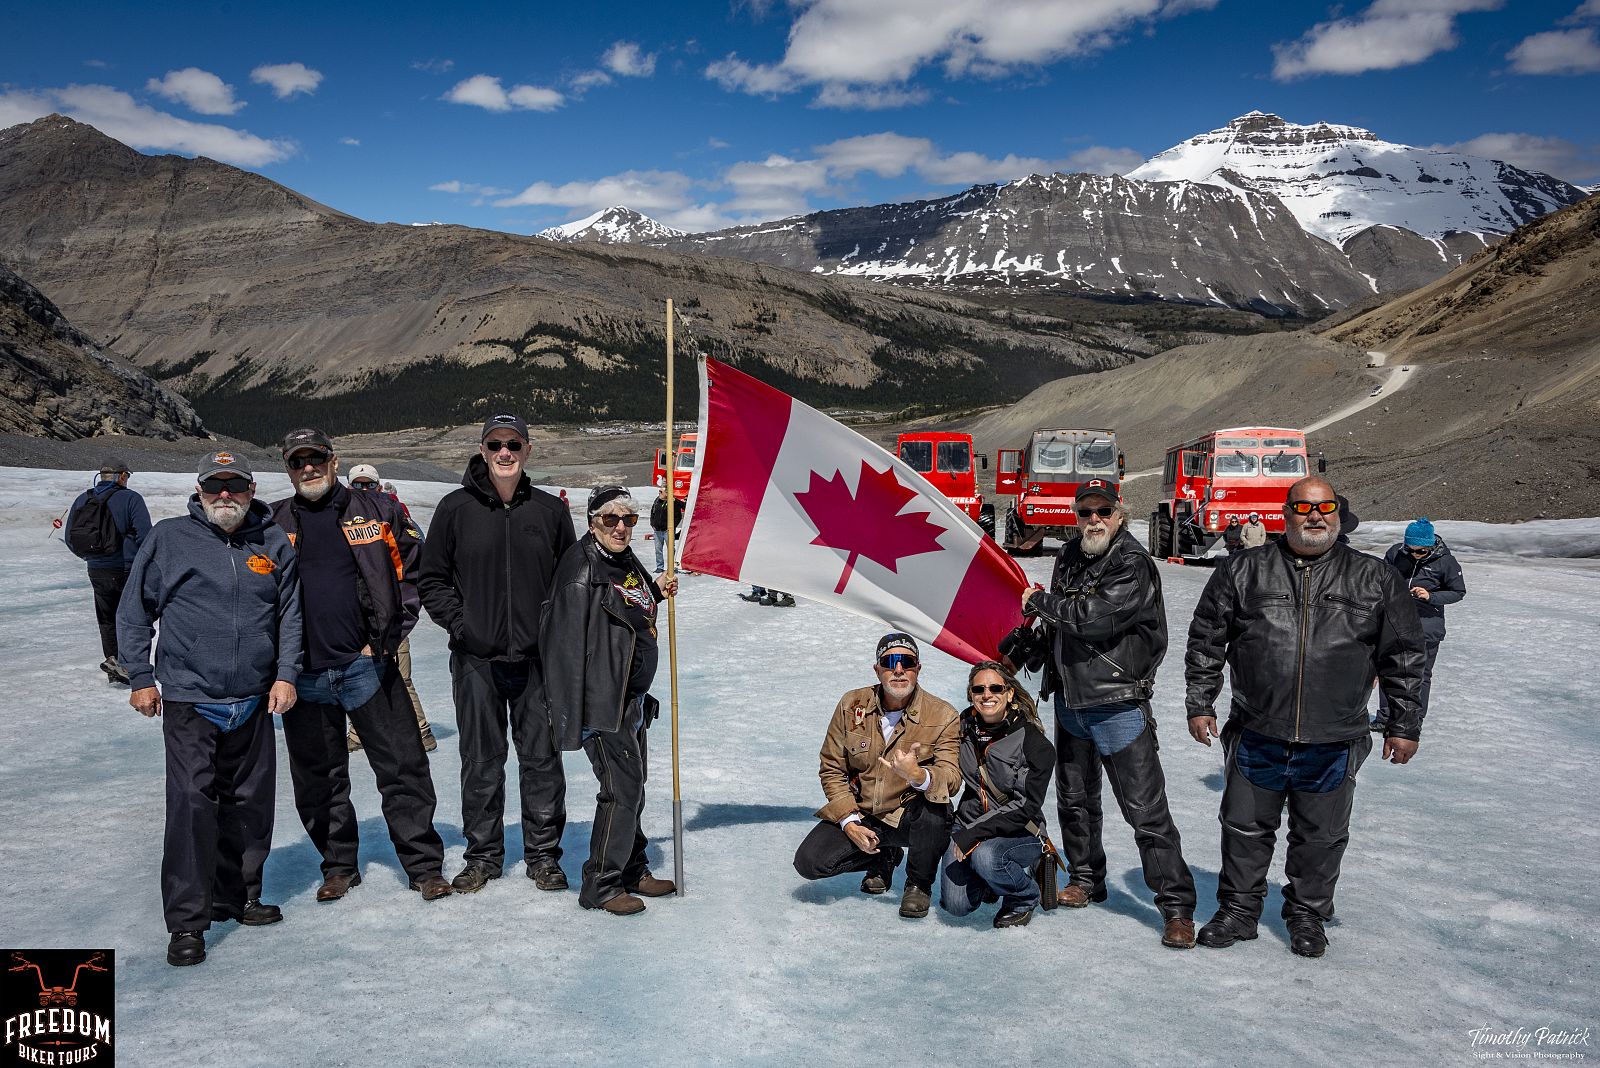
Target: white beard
x: 1096, y: 543
x: 1311, y: 542
x: 224, y: 515
x: 315, y: 491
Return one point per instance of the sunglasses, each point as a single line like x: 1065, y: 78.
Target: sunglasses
x: 896, y: 661
x: 993, y: 687
x: 608, y: 521
x: 1419, y: 550
x: 1103, y: 513
x: 510, y: 446
x: 309, y: 459
x: 236, y: 486
x: 1307, y: 507
x: 363, y: 483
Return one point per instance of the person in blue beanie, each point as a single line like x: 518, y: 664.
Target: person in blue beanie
x: 1434, y: 578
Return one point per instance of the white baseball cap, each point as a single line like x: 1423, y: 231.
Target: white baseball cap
x: 364, y: 471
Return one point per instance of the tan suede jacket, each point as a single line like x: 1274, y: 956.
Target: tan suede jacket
x: 853, y: 779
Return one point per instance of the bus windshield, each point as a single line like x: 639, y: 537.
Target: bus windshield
x: 1097, y: 458
x: 1284, y: 465
x: 955, y: 457
x: 685, y: 460
x: 1052, y: 460
x: 917, y: 455
x: 1235, y: 465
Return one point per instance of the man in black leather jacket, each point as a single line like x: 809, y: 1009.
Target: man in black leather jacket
x: 1304, y: 625
x: 1109, y: 629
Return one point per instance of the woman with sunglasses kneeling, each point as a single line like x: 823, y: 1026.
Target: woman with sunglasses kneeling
x: 597, y: 642
x: 1006, y: 764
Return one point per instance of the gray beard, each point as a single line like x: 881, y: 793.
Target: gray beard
x: 314, y: 493
x: 1095, y: 544
x: 226, y: 516
x: 1308, y: 543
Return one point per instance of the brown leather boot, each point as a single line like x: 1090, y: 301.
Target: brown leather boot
x: 336, y: 886
x: 1178, y: 933
x: 1074, y: 896
x: 623, y: 905
x: 650, y: 886
x: 432, y: 887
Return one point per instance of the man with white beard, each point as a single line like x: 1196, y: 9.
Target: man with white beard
x: 1304, y: 627
x: 224, y: 584
x: 1109, y: 629
x: 358, y: 553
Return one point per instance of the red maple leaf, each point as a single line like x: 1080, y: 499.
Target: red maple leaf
x: 868, y: 523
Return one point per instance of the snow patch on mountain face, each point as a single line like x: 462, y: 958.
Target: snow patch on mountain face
x: 1340, y: 180
x: 616, y: 225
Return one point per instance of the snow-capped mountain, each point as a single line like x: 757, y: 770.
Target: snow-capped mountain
x: 617, y: 225
x: 1076, y: 232
x: 1340, y: 180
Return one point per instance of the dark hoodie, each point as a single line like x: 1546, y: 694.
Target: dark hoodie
x: 1439, y: 574
x: 229, y: 606
x: 487, y: 565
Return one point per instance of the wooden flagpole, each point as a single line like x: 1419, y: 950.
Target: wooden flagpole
x: 672, y: 623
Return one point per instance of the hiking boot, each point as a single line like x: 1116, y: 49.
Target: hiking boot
x: 622, y: 905
x: 114, y: 673
x: 784, y: 601
x: 1078, y: 896
x: 256, y: 914
x: 186, y: 948
x: 753, y: 598
x: 432, y: 887
x: 1306, y: 937
x: 650, y: 886
x: 768, y: 600
x: 1178, y: 933
x: 914, y: 902
x: 547, y: 875
x: 352, y: 744
x: 1224, y: 929
x: 336, y: 886
x: 1013, y: 917
x: 875, y: 882
x: 472, y: 878
x: 429, y: 742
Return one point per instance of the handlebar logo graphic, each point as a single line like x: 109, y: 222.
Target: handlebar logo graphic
x: 52, y: 1024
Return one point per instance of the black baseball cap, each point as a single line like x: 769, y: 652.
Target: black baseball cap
x: 1097, y: 487
x: 307, y: 437
x: 898, y: 639
x: 224, y: 462
x: 504, y: 422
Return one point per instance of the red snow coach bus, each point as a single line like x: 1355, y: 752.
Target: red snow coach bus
x: 1044, y: 477
x: 1221, y: 474
x: 946, y: 461
x: 683, y: 467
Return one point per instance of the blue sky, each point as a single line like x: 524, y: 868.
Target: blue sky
x: 708, y: 113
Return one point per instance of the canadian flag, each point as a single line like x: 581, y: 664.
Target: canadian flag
x: 784, y: 497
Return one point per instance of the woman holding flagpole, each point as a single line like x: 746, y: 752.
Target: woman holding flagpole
x: 599, y: 653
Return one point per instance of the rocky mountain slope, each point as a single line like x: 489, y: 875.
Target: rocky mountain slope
x: 615, y: 225
x: 56, y: 383
x: 1177, y: 241
x: 1341, y: 182
x: 264, y: 306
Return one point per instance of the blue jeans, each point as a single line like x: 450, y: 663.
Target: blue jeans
x: 1112, y: 728
x: 999, y: 867
x: 348, y: 687
x: 229, y: 715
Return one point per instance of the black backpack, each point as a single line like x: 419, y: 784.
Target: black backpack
x: 94, y: 530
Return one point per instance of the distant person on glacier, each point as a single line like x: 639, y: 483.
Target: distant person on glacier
x: 1233, y: 536
x: 1303, y: 628
x: 1253, y: 532
x: 105, y: 527
x: 1434, y: 579
x: 890, y: 763
x: 224, y: 584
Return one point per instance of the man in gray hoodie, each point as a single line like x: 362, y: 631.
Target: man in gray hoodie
x: 223, y: 583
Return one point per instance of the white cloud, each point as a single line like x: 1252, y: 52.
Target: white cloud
x: 1589, y: 9
x: 1556, y: 156
x: 1387, y: 35
x: 589, y: 79
x: 349, y: 141
x: 118, y: 115
x: 433, y: 66
x: 98, y: 64
x: 485, y: 91
x: 646, y: 191
x: 626, y: 59
x: 1557, y: 52
x: 850, y: 47
x: 890, y: 155
x: 774, y: 187
x: 198, y: 90
x: 473, y: 188
x: 287, y: 79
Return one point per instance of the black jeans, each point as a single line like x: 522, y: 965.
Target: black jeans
x: 489, y: 694
x: 1141, y: 792
x: 1319, y: 830
x: 319, y: 765
x: 924, y: 830
x: 108, y: 584
x: 620, y: 759
x: 220, y: 790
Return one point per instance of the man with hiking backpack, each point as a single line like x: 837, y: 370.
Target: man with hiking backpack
x: 105, y: 527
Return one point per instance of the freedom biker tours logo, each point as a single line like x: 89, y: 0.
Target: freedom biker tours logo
x: 1530, y: 1044
x: 59, y: 1006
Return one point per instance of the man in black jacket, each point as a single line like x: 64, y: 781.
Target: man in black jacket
x: 358, y: 555
x: 1110, y: 635
x: 1433, y: 578
x: 1304, y: 626
x: 491, y: 552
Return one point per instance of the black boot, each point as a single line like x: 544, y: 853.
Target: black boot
x: 256, y: 914
x: 186, y: 948
x: 1225, y: 929
x: 1306, y: 937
